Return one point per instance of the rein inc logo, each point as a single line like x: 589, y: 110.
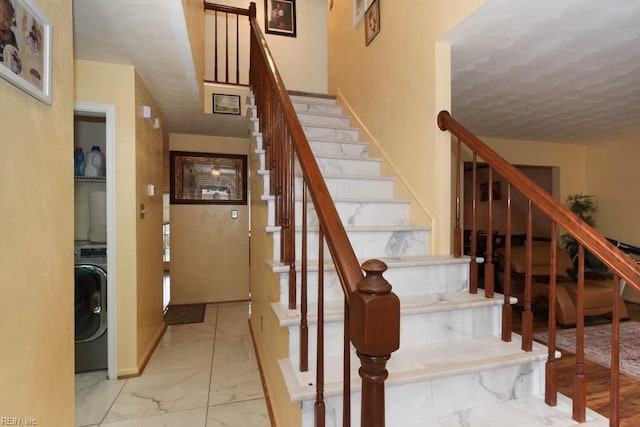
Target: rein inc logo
x: 18, y: 421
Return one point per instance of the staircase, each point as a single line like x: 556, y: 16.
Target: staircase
x: 452, y: 368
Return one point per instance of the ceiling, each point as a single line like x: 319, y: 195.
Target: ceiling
x: 152, y: 36
x: 544, y: 70
x: 548, y: 70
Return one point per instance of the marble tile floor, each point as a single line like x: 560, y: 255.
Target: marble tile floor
x: 200, y: 375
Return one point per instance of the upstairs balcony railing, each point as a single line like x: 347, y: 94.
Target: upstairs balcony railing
x: 620, y: 266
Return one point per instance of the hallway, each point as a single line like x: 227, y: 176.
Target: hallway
x: 200, y: 375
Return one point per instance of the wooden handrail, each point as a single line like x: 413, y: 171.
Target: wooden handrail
x: 343, y: 255
x: 227, y: 9
x: 593, y: 241
x: 373, y: 323
x: 606, y: 250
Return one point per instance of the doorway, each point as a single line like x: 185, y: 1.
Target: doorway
x: 107, y: 113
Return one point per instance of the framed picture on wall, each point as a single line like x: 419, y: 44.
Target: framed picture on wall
x: 226, y: 104
x: 372, y: 22
x: 280, y: 17
x: 25, y: 48
x: 208, y: 178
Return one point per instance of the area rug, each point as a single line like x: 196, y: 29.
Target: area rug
x: 597, y: 345
x: 187, y: 313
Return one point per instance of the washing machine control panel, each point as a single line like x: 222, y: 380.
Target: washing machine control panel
x: 90, y: 253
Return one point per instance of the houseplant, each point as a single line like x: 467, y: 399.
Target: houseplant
x: 586, y: 208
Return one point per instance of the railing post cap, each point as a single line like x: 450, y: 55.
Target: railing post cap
x: 441, y: 115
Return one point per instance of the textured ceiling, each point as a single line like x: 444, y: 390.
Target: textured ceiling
x: 548, y: 70
x: 152, y: 36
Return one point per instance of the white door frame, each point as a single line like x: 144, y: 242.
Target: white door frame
x: 109, y: 112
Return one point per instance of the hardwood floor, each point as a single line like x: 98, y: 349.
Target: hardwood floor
x: 598, y: 377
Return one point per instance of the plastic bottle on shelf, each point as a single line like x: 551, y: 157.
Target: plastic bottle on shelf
x: 94, y: 162
x: 78, y: 166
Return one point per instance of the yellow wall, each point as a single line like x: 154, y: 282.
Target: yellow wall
x: 568, y: 159
x: 115, y: 84
x: 272, y: 341
x: 209, y: 249
x: 612, y: 176
x: 36, y: 184
x: 398, y: 92
x: 148, y: 229
x: 138, y: 163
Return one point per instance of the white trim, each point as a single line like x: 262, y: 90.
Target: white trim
x: 109, y: 112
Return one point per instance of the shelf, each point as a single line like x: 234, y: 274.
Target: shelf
x: 90, y: 178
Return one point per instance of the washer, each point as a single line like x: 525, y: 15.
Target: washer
x: 90, y: 306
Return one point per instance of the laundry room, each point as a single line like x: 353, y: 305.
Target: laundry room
x: 90, y: 235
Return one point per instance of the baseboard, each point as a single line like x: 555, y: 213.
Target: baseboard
x: 148, y: 355
x: 267, y: 398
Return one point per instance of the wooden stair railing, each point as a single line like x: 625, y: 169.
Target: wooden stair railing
x: 621, y: 266
x: 230, y: 53
x: 372, y: 311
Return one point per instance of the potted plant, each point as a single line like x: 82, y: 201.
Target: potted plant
x: 586, y: 208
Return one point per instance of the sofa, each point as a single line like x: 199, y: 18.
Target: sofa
x: 598, y: 287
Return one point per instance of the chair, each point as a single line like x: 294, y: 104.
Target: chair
x: 598, y: 291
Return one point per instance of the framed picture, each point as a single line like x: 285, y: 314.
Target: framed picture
x: 208, y: 178
x: 226, y: 104
x: 25, y: 55
x: 496, y: 191
x: 359, y: 7
x: 280, y: 17
x: 372, y: 22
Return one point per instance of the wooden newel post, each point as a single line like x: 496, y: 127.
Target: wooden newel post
x: 375, y: 333
x: 252, y: 9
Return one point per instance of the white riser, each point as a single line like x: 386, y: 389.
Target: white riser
x: 321, y: 147
x: 354, y: 187
x: 331, y: 133
x: 313, y: 100
x: 368, y: 243
x: 337, y: 148
x: 345, y: 187
x: 346, y: 166
x: 415, y: 330
x: 303, y: 107
x: 436, y: 278
x: 420, y: 404
x: 353, y: 213
x: 354, y: 166
x: 324, y: 120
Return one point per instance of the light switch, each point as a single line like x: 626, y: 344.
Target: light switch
x: 234, y: 214
x: 151, y: 190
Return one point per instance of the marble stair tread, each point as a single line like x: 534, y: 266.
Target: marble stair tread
x: 334, y: 127
x: 409, y: 304
x: 364, y: 228
x: 402, y: 262
x: 311, y: 99
x: 527, y: 411
x: 338, y: 175
x: 348, y: 200
x: 416, y: 364
x: 301, y: 114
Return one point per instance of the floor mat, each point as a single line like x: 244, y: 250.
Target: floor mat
x: 187, y: 313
